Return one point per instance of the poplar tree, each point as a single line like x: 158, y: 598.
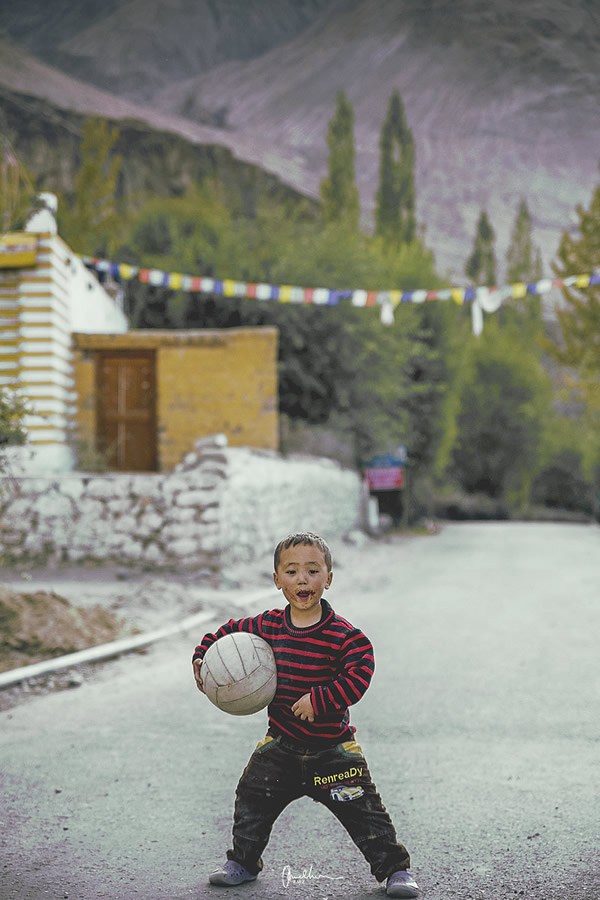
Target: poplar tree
x: 481, y: 265
x: 395, y: 198
x: 90, y: 222
x: 339, y: 193
x: 523, y: 257
x: 524, y: 264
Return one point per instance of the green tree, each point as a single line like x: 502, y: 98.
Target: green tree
x: 197, y: 234
x: 577, y: 344
x: 481, y: 265
x: 454, y: 340
x: 16, y: 188
x: 505, y: 404
x: 339, y: 193
x: 395, y: 198
x: 524, y: 264
x: 523, y: 257
x: 90, y: 220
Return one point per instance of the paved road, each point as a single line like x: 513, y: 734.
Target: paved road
x: 481, y: 728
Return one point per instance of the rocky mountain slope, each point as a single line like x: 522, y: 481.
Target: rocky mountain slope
x: 134, y: 47
x: 503, y: 97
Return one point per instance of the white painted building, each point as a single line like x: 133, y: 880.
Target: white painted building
x: 46, y: 294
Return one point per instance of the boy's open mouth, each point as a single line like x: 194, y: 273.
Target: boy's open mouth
x: 303, y: 595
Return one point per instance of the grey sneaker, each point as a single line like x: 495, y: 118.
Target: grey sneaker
x: 232, y: 873
x: 402, y: 884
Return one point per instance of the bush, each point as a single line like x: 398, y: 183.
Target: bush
x: 462, y: 507
x: 12, y: 411
x: 12, y: 432
x: 561, y: 485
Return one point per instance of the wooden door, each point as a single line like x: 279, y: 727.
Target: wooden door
x: 126, y: 409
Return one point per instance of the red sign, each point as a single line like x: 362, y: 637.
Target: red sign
x: 385, y: 479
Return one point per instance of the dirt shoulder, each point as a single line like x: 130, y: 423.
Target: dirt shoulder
x: 40, y: 625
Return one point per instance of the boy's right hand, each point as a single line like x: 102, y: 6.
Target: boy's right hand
x: 197, y: 665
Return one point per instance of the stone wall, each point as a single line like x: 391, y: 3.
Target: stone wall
x: 219, y: 500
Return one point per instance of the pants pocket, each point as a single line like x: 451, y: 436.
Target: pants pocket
x: 267, y: 743
x: 350, y: 749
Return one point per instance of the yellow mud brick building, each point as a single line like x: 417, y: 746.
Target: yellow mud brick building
x: 145, y: 397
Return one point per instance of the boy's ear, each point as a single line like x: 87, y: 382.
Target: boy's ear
x: 276, y: 580
x: 329, y: 580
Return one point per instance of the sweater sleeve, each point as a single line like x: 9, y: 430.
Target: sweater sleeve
x: 356, y: 665
x: 251, y: 625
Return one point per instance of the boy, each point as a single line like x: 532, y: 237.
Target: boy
x: 324, y: 664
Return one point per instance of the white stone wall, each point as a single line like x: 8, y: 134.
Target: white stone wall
x: 219, y: 501
x: 268, y: 497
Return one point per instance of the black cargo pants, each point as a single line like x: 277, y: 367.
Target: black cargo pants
x: 279, y: 772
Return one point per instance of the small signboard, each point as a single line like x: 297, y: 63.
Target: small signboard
x: 385, y: 473
x: 385, y: 479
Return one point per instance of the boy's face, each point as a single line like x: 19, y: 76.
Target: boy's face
x: 302, y: 575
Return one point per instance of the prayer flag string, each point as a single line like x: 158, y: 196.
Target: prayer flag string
x: 483, y: 299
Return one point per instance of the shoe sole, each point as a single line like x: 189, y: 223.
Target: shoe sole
x: 225, y: 881
x: 405, y: 893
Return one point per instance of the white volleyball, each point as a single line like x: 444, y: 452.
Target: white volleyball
x: 239, y: 674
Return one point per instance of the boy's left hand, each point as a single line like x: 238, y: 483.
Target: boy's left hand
x: 197, y: 667
x: 304, y: 708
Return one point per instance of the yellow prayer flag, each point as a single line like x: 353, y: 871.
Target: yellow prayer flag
x: 458, y: 295
x: 126, y: 271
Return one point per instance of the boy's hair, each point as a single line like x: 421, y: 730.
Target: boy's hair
x: 308, y: 539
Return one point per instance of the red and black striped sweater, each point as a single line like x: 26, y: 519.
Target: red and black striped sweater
x: 332, y: 660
